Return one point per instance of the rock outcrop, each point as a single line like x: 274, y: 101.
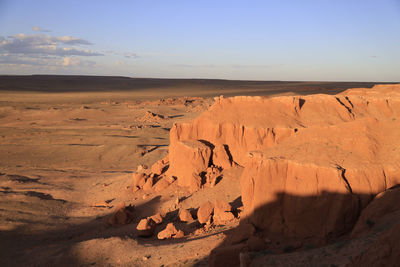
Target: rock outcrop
x: 188, y: 159
x: 311, y: 163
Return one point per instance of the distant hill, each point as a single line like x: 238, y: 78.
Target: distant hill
x: 67, y: 83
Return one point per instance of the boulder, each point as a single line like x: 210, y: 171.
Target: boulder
x: 205, y: 212
x: 222, y: 212
x: 157, y: 218
x: 122, y: 215
x: 170, y: 232
x: 185, y: 215
x: 139, y: 179
x: 146, y: 227
x: 188, y: 157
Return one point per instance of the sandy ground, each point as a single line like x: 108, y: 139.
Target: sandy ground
x: 64, y: 153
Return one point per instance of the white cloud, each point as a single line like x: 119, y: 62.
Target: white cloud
x: 38, y: 44
x: 44, y: 50
x: 47, y: 61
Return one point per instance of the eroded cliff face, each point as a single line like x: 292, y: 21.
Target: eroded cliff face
x: 311, y: 163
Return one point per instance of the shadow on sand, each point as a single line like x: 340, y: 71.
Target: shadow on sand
x: 293, y: 223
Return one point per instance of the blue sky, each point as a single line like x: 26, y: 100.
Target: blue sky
x: 257, y: 40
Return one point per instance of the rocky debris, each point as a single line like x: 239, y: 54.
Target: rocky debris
x: 205, y: 211
x: 222, y: 212
x: 157, y: 218
x: 150, y: 116
x: 226, y: 256
x: 139, y: 179
x: 186, y: 101
x: 185, y: 215
x: 122, y: 215
x: 221, y: 157
x: 160, y: 166
x: 148, y: 186
x: 188, y: 157
x: 170, y: 232
x: 146, y: 227
x: 212, y: 174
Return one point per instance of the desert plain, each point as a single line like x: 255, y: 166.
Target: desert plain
x: 114, y: 171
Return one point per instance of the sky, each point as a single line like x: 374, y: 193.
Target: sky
x: 309, y: 40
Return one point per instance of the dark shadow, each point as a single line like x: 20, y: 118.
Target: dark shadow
x: 21, y: 248
x: 228, y: 152
x: 83, y: 145
x: 20, y: 178
x: 117, y: 171
x: 122, y: 136
x: 78, y: 119
x: 301, y: 102
x: 210, y: 163
x: 175, y: 116
x: 31, y: 193
x: 237, y: 203
x: 153, y: 147
x: 291, y: 223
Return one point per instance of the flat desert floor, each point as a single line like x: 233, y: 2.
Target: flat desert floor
x: 67, y: 159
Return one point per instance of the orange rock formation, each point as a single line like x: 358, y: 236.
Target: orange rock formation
x: 311, y: 163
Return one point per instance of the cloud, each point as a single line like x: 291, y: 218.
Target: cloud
x: 74, y: 62
x: 37, y: 29
x: 48, y: 52
x: 45, y: 50
x: 44, y: 61
x: 38, y: 44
